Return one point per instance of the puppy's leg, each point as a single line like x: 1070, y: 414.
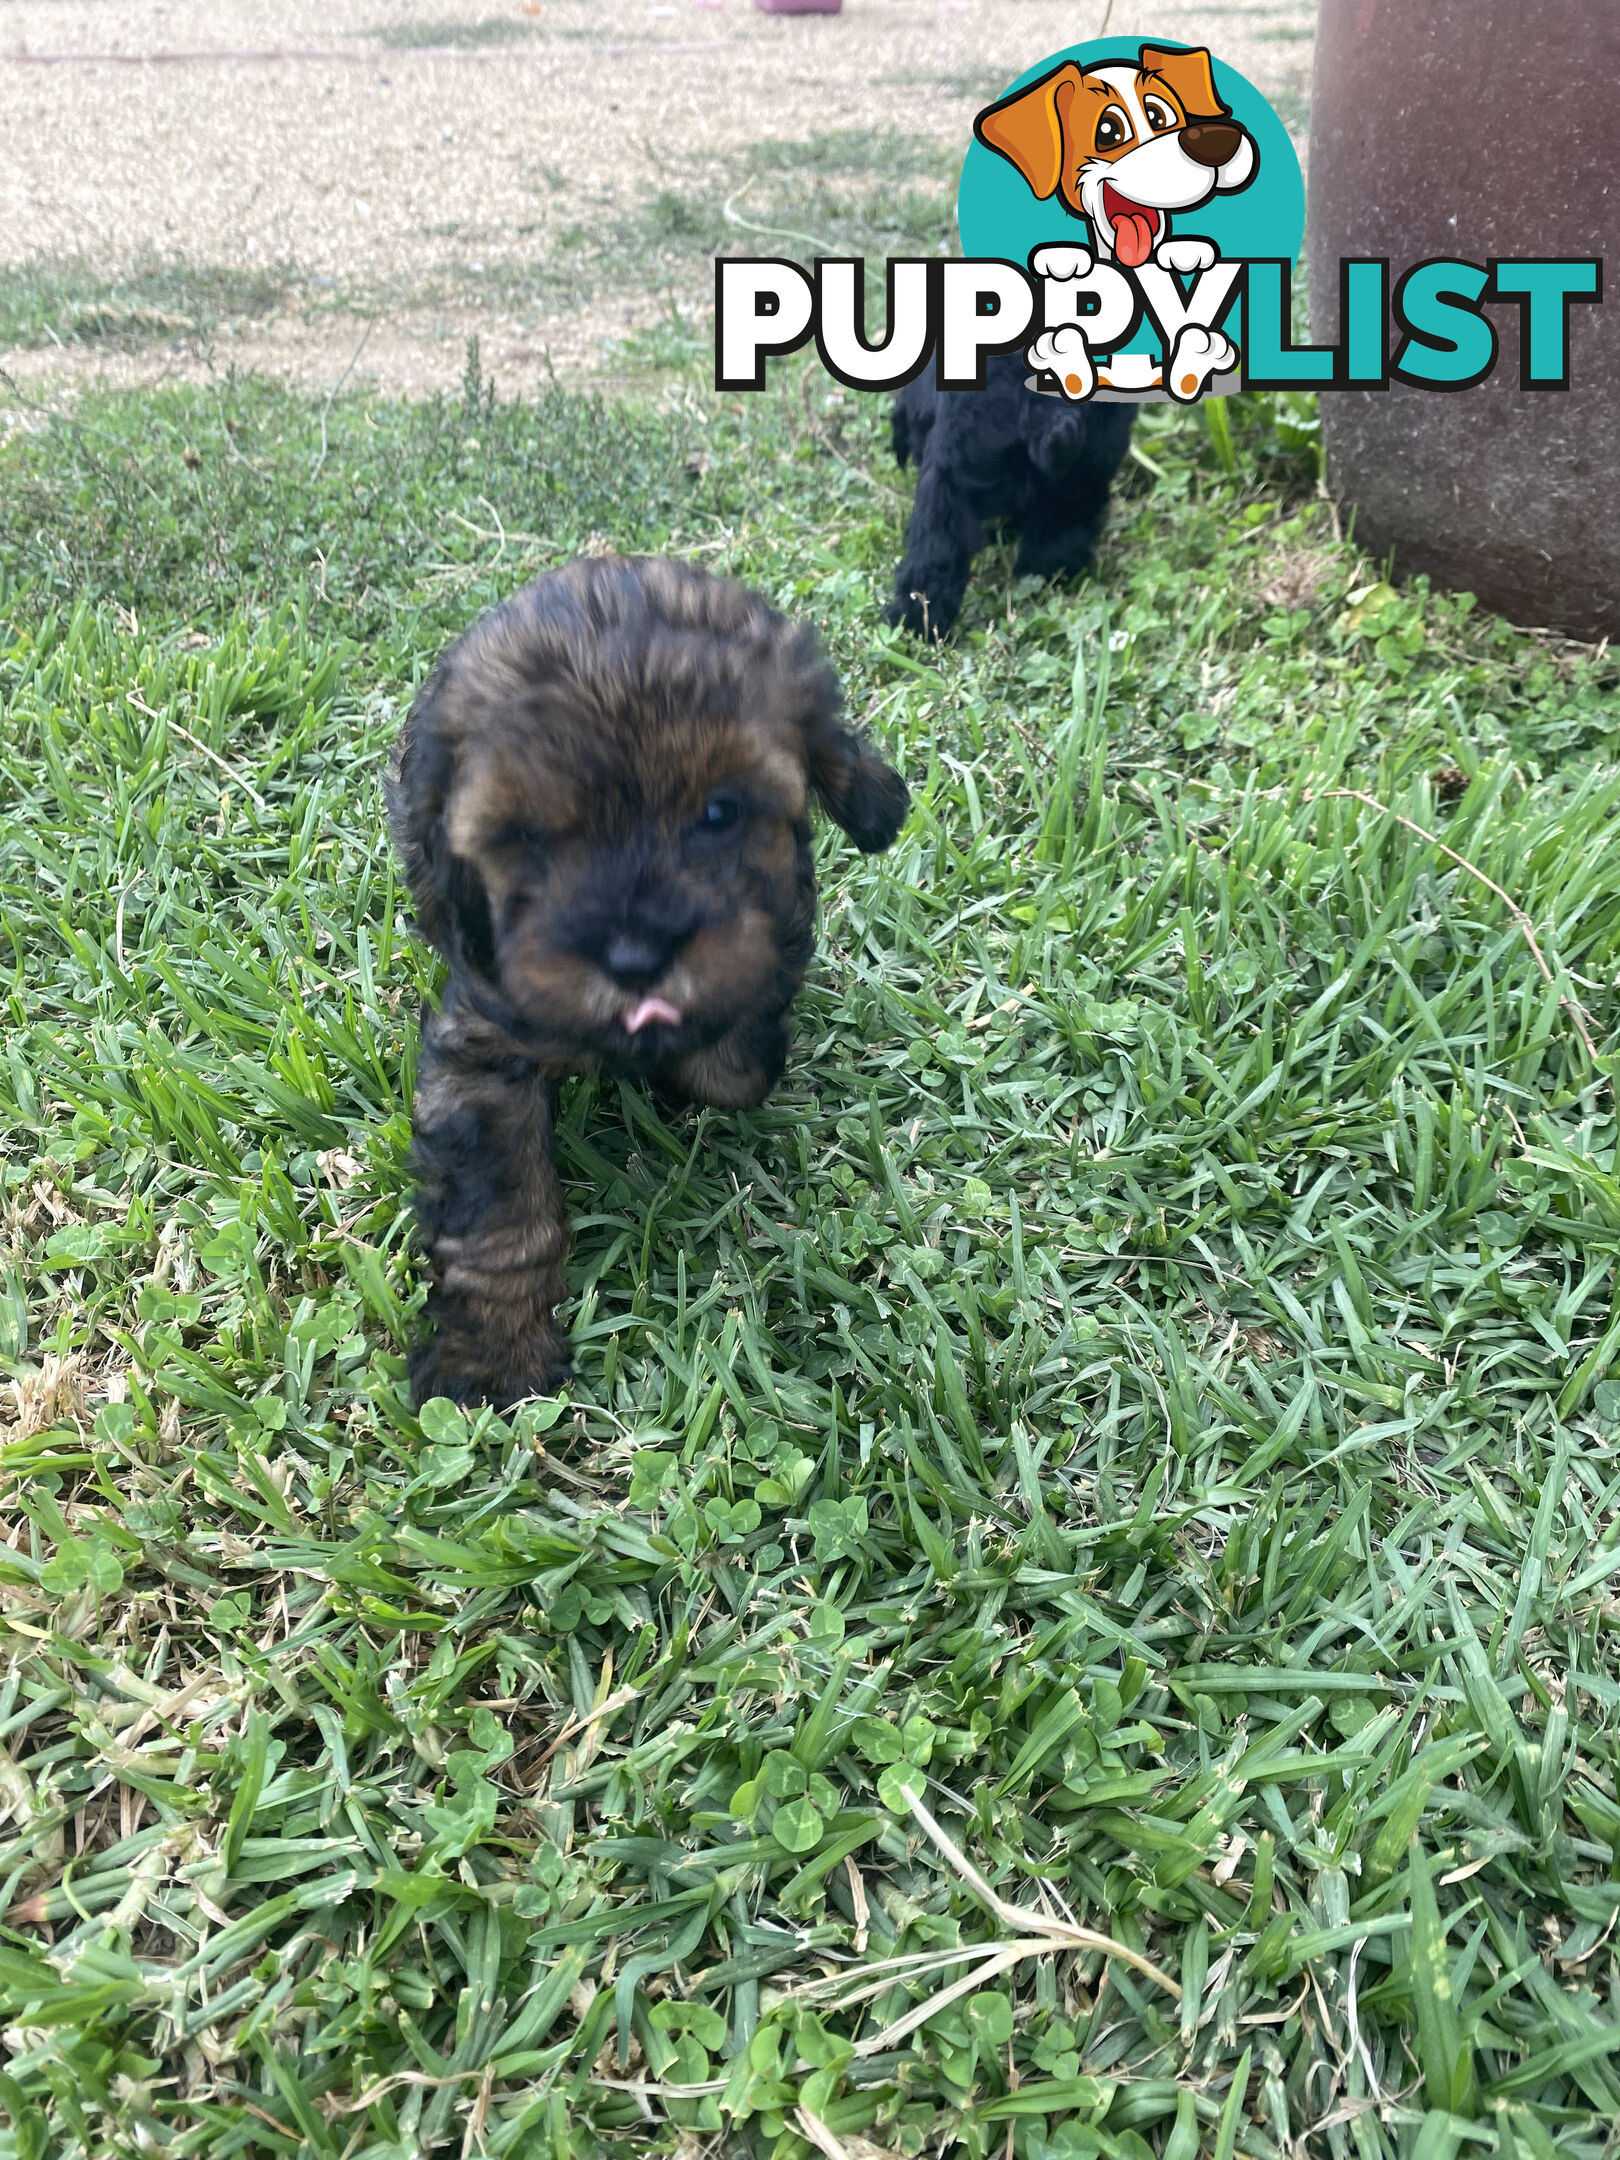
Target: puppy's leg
x: 1059, y: 527
x: 1055, y: 541
x: 941, y: 541
x: 490, y: 1210
x: 738, y: 1071
x: 911, y: 420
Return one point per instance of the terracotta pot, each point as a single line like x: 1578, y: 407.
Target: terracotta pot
x: 1474, y: 129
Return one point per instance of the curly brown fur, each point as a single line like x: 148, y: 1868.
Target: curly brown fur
x: 601, y: 798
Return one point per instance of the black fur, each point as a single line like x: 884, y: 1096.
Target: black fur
x: 1003, y: 452
x: 857, y: 791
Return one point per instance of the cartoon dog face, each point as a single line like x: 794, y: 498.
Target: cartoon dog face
x: 1124, y: 146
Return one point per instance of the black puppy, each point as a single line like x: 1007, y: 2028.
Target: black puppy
x: 1042, y: 464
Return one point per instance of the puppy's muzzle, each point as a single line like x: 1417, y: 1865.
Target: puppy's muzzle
x: 637, y: 949
x: 635, y: 959
x: 1211, y: 142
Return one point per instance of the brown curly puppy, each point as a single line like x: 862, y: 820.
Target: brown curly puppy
x: 601, y: 797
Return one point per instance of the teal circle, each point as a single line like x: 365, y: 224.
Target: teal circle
x: 997, y: 215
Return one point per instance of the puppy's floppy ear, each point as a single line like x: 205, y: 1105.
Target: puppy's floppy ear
x: 467, y: 900
x: 851, y: 782
x: 856, y: 789
x: 1027, y: 128
x: 452, y: 906
x: 1189, y: 75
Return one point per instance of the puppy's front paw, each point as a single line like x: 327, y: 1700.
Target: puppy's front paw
x: 738, y: 1071
x: 919, y: 613
x: 471, y: 1365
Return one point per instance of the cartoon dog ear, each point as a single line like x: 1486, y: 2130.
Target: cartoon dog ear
x: 1027, y: 128
x: 1190, y: 76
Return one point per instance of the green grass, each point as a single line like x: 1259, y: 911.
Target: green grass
x: 844, y: 192
x: 45, y: 302
x: 1140, y: 1391
x: 456, y: 35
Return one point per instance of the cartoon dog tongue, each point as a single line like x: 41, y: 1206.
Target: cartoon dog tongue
x: 1133, y: 226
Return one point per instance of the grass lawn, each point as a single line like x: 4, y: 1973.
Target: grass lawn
x: 1123, y: 1444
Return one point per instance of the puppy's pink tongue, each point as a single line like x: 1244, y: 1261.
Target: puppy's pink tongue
x: 648, y: 1009
x: 1133, y: 236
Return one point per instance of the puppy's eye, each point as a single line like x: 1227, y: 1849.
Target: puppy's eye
x: 721, y: 813
x: 1112, y: 129
x: 1159, y: 116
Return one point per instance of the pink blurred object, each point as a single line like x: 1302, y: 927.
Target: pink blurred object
x: 800, y: 7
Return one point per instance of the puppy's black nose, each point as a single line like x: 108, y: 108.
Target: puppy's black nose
x: 631, y: 958
x: 1211, y: 142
